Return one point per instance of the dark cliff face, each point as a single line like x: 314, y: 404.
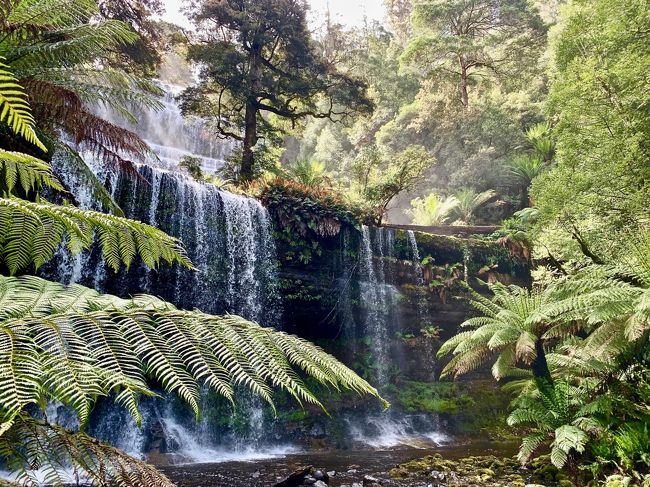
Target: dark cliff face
x: 323, y: 297
x: 420, y: 301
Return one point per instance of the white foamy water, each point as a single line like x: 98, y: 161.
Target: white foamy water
x: 188, y: 448
x: 384, y: 431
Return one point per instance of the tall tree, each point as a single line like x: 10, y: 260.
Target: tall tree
x: 464, y: 40
x: 144, y: 54
x: 599, y: 97
x: 257, y: 58
x: 399, y: 16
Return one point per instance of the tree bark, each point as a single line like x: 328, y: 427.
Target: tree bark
x: 250, y: 139
x: 541, y: 372
x: 246, y: 171
x: 464, y: 95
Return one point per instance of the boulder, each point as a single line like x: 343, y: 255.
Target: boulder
x: 320, y: 475
x: 296, y: 479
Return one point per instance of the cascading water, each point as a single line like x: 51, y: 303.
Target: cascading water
x: 173, y: 136
x: 377, y: 297
x: 419, y: 273
x: 228, y: 238
x: 380, y: 321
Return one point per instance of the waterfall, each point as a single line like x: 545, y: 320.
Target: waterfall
x: 228, y: 238
x: 380, y: 300
x: 172, y: 136
x: 377, y: 296
x: 415, y: 252
x: 419, y: 273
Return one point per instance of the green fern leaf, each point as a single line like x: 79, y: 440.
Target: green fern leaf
x: 14, y: 109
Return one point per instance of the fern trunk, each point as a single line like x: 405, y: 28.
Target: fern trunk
x: 541, y: 372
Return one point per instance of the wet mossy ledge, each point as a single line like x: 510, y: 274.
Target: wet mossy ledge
x: 318, y: 238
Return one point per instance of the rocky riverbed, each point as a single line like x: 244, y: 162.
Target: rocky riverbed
x: 485, y: 464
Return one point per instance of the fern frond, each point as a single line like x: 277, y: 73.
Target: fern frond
x: 106, y: 86
x: 72, y: 344
x: 31, y: 232
x: 77, y: 45
x: 504, y: 363
x: 39, y: 15
x: 529, y: 445
x: 66, y: 160
x: 451, y: 344
x: 14, y: 108
x: 25, y: 171
x: 60, y: 106
x: 63, y: 457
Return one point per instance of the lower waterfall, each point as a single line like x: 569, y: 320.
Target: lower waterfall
x: 380, y: 323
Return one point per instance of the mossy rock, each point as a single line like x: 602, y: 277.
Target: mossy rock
x: 488, y: 471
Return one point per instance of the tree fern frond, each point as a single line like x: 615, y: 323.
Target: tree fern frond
x: 530, y: 444
x: 468, y: 361
x: 451, y: 344
x: 106, y: 86
x: 66, y: 160
x: 504, y: 363
x: 14, y: 109
x: 73, y: 345
x: 65, y: 458
x: 62, y: 107
x: 25, y: 171
x: 49, y: 14
x: 30, y: 233
x: 78, y: 44
x: 558, y: 457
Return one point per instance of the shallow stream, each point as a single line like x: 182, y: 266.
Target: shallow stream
x: 350, y: 466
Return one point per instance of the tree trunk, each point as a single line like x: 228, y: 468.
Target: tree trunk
x: 541, y: 372
x: 250, y: 139
x: 464, y: 96
x: 246, y: 171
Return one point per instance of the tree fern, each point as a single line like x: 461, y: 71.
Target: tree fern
x: 612, y: 300
x: 508, y: 328
x: 72, y: 344
x: 559, y: 420
x: 58, y: 54
x: 31, y: 232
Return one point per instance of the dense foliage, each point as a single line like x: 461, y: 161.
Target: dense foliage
x: 584, y: 342
x: 599, y: 97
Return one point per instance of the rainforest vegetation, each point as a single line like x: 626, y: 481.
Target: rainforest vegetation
x: 523, y: 122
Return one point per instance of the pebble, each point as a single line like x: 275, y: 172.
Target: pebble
x: 369, y: 481
x: 320, y: 475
